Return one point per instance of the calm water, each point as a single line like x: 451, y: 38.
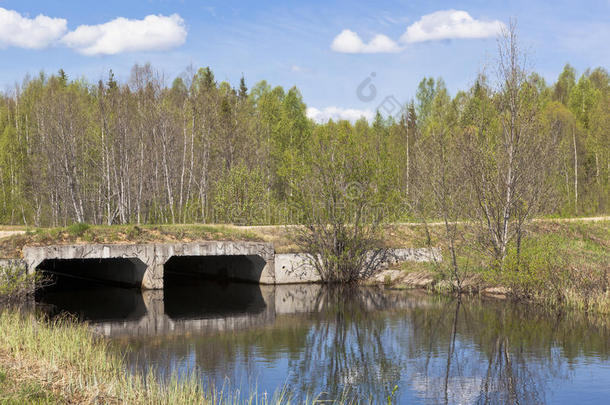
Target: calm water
x: 313, y: 339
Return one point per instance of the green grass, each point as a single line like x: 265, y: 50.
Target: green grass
x: 78, y: 229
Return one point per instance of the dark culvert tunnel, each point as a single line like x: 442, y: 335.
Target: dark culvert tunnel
x: 91, y: 289
x: 229, y: 268
x: 119, y: 272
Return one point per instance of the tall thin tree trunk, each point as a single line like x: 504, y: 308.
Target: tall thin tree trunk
x: 170, y: 196
x: 596, y: 168
x: 182, y: 172
x: 575, y: 173
x: 407, y: 154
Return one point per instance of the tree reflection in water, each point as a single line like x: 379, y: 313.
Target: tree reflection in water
x: 361, y: 341
x: 479, y: 368
x: 349, y: 347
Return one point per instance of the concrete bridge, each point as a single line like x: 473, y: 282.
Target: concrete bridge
x: 146, y: 266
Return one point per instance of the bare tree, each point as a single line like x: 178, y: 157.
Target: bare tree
x: 438, y: 177
x: 507, y: 163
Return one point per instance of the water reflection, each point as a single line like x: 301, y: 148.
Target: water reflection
x: 367, y: 340
x: 92, y: 302
x: 459, y: 366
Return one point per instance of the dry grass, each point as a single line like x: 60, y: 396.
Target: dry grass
x: 79, y: 233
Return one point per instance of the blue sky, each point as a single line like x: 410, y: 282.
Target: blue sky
x: 299, y: 43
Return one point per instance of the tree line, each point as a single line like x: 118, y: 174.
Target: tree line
x: 197, y: 150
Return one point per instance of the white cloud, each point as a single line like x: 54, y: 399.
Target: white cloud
x: 349, y: 42
x: 447, y: 24
x: 32, y: 33
x: 443, y: 24
x: 153, y: 33
x: 337, y: 113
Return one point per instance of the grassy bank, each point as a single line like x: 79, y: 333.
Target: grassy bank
x: 561, y: 264
x: 12, y: 245
x: 60, y: 361
x: 394, y: 235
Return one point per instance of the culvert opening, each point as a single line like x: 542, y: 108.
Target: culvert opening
x: 80, y: 273
x: 180, y: 270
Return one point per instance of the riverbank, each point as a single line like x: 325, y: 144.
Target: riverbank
x: 562, y: 264
x: 63, y: 362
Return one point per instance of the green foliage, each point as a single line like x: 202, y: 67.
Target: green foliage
x: 241, y: 197
x: 140, y: 152
x: 340, y: 194
x: 536, y: 270
x: 16, y: 284
x: 78, y: 229
x: 566, y: 266
x: 564, y: 85
x: 582, y: 99
x: 427, y: 90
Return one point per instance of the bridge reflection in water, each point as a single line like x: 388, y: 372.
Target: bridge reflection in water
x: 190, y: 306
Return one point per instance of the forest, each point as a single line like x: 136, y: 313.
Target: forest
x: 144, y: 150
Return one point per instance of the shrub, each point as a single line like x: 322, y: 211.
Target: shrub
x: 537, y: 270
x: 339, y: 194
x: 78, y: 229
x: 16, y: 284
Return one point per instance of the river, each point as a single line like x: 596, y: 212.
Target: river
x: 364, y: 342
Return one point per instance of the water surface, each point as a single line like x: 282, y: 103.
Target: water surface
x: 367, y: 341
